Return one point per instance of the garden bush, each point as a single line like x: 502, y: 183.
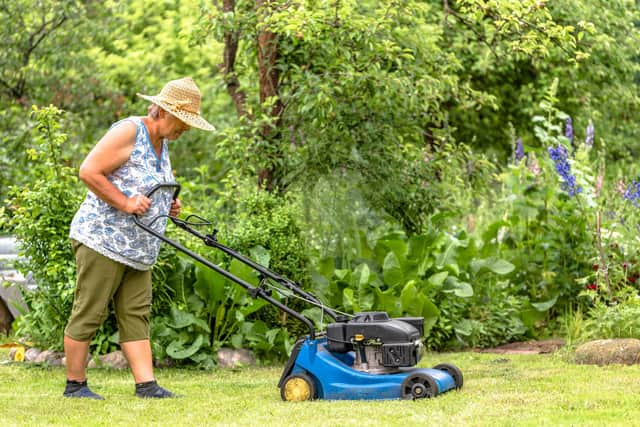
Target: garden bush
x: 39, y: 214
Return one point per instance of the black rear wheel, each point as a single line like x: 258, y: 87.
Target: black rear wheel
x: 453, y: 371
x: 418, y: 386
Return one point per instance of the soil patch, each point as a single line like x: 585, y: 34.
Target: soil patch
x: 527, y: 347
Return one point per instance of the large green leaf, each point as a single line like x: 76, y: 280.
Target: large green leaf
x: 252, y: 307
x: 326, y: 267
x: 430, y: 313
x: 348, y: 299
x: 361, y: 275
x: 394, y: 242
x: 342, y: 274
x: 209, y: 286
x: 176, y: 349
x: 398, y: 247
x: 416, y: 303
x: 362, y: 278
x: 182, y: 319
x: 545, y: 305
x: 260, y: 255
x: 243, y: 271
x: 464, y: 327
x: 494, y: 264
x: 417, y: 249
x: 364, y: 251
x: 458, y: 288
x: 410, y: 299
x: 438, y: 278
x: 463, y: 290
x: 448, y: 255
x: 530, y: 316
x: 392, y: 270
x: 388, y: 301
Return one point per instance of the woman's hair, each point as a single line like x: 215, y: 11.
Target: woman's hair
x: 154, y: 111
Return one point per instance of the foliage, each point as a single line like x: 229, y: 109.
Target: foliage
x: 613, y: 321
x: 416, y: 276
x: 82, y: 58
x: 209, y: 311
x: 513, y: 51
x: 363, y: 100
x: 39, y: 218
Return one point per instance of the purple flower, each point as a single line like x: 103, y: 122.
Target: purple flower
x: 590, y: 135
x: 519, y: 151
x: 568, y: 129
x: 632, y: 192
x: 560, y: 157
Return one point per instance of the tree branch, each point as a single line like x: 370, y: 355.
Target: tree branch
x: 41, y: 33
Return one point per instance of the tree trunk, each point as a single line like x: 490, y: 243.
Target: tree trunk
x: 229, y: 62
x: 269, y: 81
x: 6, y: 318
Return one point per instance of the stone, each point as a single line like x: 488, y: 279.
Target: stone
x: 231, y: 358
x: 12, y: 353
x: 63, y: 361
x: 53, y: 358
x: 31, y: 354
x: 115, y: 360
x: 624, y: 351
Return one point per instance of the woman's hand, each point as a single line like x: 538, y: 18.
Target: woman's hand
x: 137, y: 204
x: 175, y: 208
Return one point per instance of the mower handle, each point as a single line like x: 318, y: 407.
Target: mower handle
x: 210, y: 240
x: 148, y: 194
x: 164, y: 185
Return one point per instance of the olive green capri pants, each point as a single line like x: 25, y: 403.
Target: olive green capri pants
x: 100, y: 280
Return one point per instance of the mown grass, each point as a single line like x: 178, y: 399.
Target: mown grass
x: 500, y: 390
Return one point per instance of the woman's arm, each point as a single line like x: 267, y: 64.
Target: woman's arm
x: 111, y: 152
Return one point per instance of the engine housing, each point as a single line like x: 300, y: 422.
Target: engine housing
x: 380, y: 343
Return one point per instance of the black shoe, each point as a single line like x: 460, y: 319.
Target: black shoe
x: 151, y: 390
x: 80, y: 389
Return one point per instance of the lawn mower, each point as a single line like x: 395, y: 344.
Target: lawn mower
x: 361, y: 356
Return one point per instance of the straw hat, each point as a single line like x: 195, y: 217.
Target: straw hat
x: 182, y: 99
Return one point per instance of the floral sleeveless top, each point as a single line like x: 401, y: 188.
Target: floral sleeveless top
x: 112, y: 232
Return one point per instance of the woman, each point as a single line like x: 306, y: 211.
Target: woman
x: 113, y: 255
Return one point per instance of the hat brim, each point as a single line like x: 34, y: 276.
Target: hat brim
x: 192, y: 119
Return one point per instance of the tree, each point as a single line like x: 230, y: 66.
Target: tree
x: 364, y: 89
x: 517, y: 49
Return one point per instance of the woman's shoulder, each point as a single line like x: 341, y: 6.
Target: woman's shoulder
x: 132, y: 122
x: 124, y: 129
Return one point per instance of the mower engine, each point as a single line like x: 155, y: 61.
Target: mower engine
x: 381, y: 344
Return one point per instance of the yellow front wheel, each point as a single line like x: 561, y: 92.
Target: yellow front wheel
x: 297, y: 388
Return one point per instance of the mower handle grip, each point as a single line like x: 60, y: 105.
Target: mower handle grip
x: 153, y: 189
x: 164, y: 185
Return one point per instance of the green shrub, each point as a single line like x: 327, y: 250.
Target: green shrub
x: 39, y: 214
x: 621, y: 320
x: 203, y: 311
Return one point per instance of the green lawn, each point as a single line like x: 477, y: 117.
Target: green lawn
x: 501, y: 390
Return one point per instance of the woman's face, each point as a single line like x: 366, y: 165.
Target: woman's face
x: 174, y: 127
